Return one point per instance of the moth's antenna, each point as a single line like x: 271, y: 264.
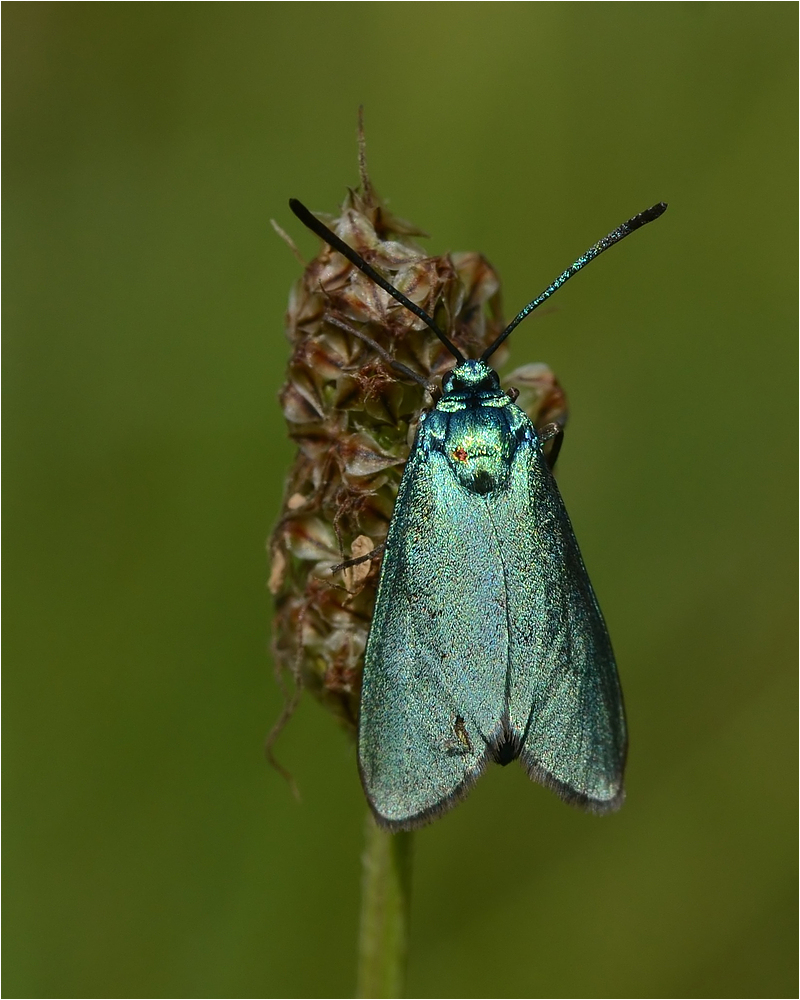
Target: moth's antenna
x: 362, y: 154
x: 624, y: 230
x: 356, y: 260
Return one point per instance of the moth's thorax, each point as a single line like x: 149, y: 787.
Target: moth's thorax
x: 476, y: 427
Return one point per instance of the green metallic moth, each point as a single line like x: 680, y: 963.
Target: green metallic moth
x: 487, y: 642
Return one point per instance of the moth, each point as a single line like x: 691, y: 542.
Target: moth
x: 487, y: 642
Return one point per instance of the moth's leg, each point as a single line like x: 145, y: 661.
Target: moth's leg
x: 555, y: 433
x: 372, y: 554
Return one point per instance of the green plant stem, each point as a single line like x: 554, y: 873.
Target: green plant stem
x: 385, y: 896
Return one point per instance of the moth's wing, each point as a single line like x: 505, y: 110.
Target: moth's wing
x: 565, y: 701
x: 435, y: 666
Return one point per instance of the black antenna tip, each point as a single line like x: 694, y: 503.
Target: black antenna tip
x: 655, y: 211
x: 298, y: 207
x: 648, y: 215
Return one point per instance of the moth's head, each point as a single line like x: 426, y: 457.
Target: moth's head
x: 471, y: 376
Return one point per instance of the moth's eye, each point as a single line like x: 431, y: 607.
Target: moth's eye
x: 460, y: 455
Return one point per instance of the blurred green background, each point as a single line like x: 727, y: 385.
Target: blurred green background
x: 150, y: 851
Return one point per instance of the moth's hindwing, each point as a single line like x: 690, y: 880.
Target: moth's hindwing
x: 486, y: 641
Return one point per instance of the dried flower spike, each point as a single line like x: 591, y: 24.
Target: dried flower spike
x: 362, y: 367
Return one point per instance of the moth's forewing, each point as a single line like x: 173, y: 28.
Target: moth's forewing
x: 437, y: 648
x: 486, y: 640
x: 565, y: 698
